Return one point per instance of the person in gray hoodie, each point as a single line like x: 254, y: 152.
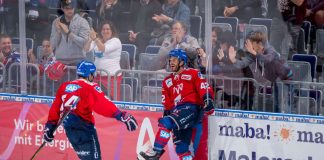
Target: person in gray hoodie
x: 267, y: 60
x: 69, y: 34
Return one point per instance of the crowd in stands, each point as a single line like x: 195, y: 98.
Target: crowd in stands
x: 75, y: 30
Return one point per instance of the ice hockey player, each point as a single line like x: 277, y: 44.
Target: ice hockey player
x: 184, y: 93
x: 80, y: 124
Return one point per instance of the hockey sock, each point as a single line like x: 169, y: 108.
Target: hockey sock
x: 161, y: 139
x: 185, y: 156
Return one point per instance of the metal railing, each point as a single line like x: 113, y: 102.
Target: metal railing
x: 145, y: 87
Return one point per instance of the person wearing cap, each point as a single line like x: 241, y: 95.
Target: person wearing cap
x: 69, y: 34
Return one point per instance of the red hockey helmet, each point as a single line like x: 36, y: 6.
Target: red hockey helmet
x: 55, y: 70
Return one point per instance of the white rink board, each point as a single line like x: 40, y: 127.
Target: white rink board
x: 239, y: 135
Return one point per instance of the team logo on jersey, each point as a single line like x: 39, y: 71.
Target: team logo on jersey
x: 71, y: 88
x: 98, y: 89
x: 186, y: 77
x: 168, y: 82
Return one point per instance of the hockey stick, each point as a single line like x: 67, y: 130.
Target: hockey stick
x: 64, y: 115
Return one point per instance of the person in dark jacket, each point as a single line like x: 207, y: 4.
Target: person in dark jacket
x: 243, y: 10
x: 143, y: 25
x: 287, y: 18
x: 272, y: 67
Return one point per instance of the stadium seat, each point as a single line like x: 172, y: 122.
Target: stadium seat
x: 125, y: 60
x: 148, y: 62
x: 301, y: 70
x: 52, y: 17
x: 126, y: 93
x: 29, y: 42
x: 311, y: 59
x: 320, y: 42
x: 133, y: 83
x: 305, y: 105
x: 301, y: 47
x: 307, y: 26
x: 223, y: 26
x: 151, y: 94
x: 131, y: 49
x: 155, y: 82
x: 195, y: 26
x: 262, y: 21
x: 151, y: 49
x: 233, y: 21
x: 53, y: 4
x: 251, y: 27
x: 314, y: 94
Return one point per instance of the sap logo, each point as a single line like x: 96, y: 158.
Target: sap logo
x: 71, y: 88
x: 244, y: 132
x: 186, y: 77
x: 189, y: 157
x: 98, y: 89
x: 178, y: 88
x: 164, y: 134
x: 143, y: 145
x: 310, y: 137
x: 168, y: 82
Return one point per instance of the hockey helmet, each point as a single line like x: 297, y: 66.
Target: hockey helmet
x: 85, y: 68
x: 55, y: 70
x: 180, y: 54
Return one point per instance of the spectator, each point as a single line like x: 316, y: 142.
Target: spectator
x: 315, y: 12
x: 46, y: 55
x: 69, y: 34
x: 202, y: 62
x: 287, y: 17
x: 243, y: 10
x: 7, y: 54
x: 111, y: 10
x: 142, y: 11
x: 268, y: 61
x: 9, y: 16
x: 107, y: 50
x: 227, y: 46
x: 173, y: 10
x: 38, y: 25
x: 180, y: 39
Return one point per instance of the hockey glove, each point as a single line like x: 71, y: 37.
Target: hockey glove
x: 48, y: 135
x: 209, y: 107
x: 129, y: 120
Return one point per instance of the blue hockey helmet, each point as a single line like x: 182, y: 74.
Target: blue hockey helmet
x: 85, y: 68
x: 180, y: 54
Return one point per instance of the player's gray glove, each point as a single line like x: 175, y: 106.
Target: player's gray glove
x: 48, y: 135
x: 129, y: 120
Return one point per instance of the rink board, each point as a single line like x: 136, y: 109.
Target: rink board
x: 235, y: 135
x: 22, y: 119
